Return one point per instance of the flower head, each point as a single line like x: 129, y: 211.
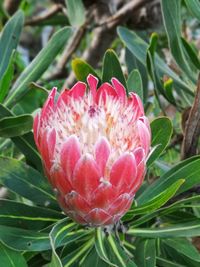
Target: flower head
x: 94, y: 145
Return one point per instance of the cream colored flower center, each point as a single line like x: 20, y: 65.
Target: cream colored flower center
x: 111, y: 119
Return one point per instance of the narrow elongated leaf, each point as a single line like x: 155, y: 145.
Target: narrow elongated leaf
x: 72, y: 259
x: 145, y: 253
x: 110, y: 252
x: 178, y: 230
x: 161, y: 129
x: 194, y: 7
x: 153, y: 43
x: 184, y: 247
x: 20, y: 239
x: 11, y: 258
x: 133, y: 63
x: 38, y: 66
x: 93, y: 259
x: 187, y: 170
x: 191, y: 53
x: 55, y: 260
x: 20, y: 215
x: 168, y: 86
x: 153, y: 68
x: 117, y: 254
x: 177, y: 257
x: 138, y: 47
x: 183, y: 203
x: 14, y: 126
x: 6, y: 79
x: 9, y: 40
x: 24, y: 143
x: 112, y: 68
x: 26, y: 181
x: 64, y: 232
x: 82, y: 69
x: 134, y: 83
x: 167, y: 263
x: 171, y: 11
x: 75, y: 12
x: 100, y: 247
x: 159, y: 200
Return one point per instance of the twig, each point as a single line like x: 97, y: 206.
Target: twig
x: 44, y: 15
x: 105, y: 32
x: 67, y: 53
x: 123, y: 13
x: 192, y: 129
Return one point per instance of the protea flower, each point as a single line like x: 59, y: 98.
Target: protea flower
x: 94, y: 146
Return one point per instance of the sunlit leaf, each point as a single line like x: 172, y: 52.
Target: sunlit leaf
x: 38, y: 66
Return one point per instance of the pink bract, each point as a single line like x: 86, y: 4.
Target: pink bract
x: 94, y: 144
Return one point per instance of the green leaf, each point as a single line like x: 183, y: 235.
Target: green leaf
x: 188, y: 170
x: 24, y: 216
x: 145, y: 253
x: 168, y: 86
x: 92, y: 259
x: 75, y: 12
x: 28, y: 240
x: 11, y: 258
x: 181, y: 204
x: 161, y: 129
x: 153, y: 72
x: 134, y: 83
x: 118, y: 254
x: 26, y: 181
x: 6, y: 79
x: 158, y: 200
x: 24, y: 143
x: 153, y: 68
x: 191, y: 53
x: 38, y: 66
x: 176, y: 256
x: 188, y: 229
x: 194, y: 7
x: 9, y: 40
x: 82, y: 69
x: 100, y: 247
x: 20, y: 239
x: 110, y: 252
x: 72, y: 259
x: 138, y: 47
x: 167, y: 263
x: 63, y: 232
x: 153, y: 43
x: 112, y: 68
x: 184, y: 247
x: 58, y: 232
x: 14, y: 126
x: 171, y: 11
x: 133, y: 63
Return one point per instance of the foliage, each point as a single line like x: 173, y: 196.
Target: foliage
x: 163, y: 223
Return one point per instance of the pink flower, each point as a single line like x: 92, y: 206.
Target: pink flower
x: 94, y: 146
